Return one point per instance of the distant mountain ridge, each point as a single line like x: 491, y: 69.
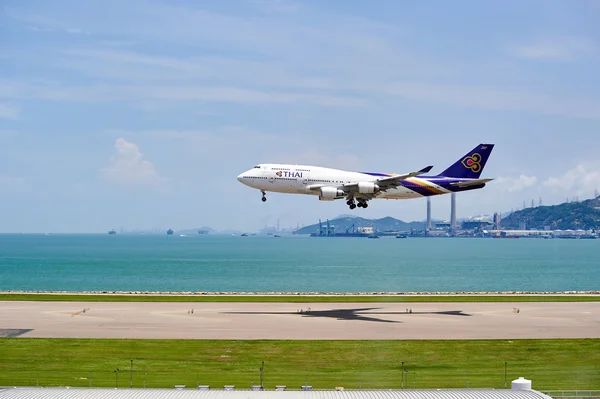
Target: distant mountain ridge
x: 344, y: 223
x: 583, y: 215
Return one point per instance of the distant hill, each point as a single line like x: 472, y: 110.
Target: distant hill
x: 384, y: 224
x: 583, y: 215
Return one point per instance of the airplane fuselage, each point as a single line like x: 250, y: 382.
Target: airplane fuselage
x: 302, y: 179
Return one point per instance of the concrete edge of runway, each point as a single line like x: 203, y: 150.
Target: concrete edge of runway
x: 108, y: 294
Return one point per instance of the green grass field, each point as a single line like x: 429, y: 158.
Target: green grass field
x: 296, y: 298
x: 550, y: 364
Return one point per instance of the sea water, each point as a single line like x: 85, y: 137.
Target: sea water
x: 207, y: 263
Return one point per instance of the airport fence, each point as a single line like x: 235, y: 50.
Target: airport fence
x: 245, y: 376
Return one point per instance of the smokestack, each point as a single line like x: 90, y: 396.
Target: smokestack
x: 453, y: 211
x: 428, y: 213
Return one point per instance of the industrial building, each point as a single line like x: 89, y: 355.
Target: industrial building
x: 520, y: 389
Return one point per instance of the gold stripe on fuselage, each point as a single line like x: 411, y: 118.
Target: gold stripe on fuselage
x: 433, y: 188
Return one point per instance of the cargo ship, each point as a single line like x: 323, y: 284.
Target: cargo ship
x: 169, y: 232
x: 113, y: 231
x: 328, y: 230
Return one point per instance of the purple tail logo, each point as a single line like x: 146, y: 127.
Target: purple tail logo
x: 472, y: 162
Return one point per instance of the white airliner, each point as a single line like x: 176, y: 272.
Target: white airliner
x: 359, y: 187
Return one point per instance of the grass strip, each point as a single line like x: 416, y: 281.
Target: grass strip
x: 553, y: 364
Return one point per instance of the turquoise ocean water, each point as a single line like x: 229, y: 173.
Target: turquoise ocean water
x: 292, y: 264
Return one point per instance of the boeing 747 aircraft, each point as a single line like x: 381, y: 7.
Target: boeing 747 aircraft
x: 360, y: 187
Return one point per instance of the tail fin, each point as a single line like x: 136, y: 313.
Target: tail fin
x: 471, y: 165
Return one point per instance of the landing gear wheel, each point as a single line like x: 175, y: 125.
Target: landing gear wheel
x: 365, y: 205
x: 360, y: 204
x: 349, y: 202
x: 264, y: 197
x: 352, y: 206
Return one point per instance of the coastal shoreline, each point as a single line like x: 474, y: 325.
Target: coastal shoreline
x: 310, y: 294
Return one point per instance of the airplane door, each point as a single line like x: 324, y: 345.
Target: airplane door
x: 301, y: 184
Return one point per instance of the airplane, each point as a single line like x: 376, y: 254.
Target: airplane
x: 357, y: 188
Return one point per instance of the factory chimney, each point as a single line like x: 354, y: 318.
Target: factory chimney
x: 453, y: 212
x: 428, y: 213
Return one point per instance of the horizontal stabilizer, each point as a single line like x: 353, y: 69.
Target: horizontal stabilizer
x: 470, y: 183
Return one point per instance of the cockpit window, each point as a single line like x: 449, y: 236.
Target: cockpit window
x: 256, y: 167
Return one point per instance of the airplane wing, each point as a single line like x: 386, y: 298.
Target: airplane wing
x: 394, y: 181
x: 468, y: 183
x: 385, y: 183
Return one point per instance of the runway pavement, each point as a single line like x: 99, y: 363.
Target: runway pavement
x: 300, y: 321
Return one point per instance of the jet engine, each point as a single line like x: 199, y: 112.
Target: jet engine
x: 367, y: 187
x: 330, y: 193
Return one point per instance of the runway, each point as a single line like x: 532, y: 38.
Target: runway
x: 315, y: 321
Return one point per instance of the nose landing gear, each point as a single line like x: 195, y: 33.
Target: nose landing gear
x: 264, y: 196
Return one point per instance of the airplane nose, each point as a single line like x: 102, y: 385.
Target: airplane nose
x: 240, y: 177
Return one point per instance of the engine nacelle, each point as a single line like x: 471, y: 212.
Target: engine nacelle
x: 367, y: 187
x: 330, y: 193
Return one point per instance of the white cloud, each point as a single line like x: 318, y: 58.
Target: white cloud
x: 556, y: 49
x: 516, y: 184
x: 179, y: 92
x: 346, y: 62
x: 255, y: 82
x: 241, y: 95
x: 494, y: 98
x: 9, y: 112
x: 582, y: 180
x: 39, y: 23
x: 129, y: 165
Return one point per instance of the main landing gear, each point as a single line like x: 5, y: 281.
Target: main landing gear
x: 352, y: 205
x: 264, y: 197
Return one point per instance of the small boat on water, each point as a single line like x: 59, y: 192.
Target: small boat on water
x: 401, y: 236
x: 276, y: 235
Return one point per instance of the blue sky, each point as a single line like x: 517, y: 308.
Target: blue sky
x: 141, y: 114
